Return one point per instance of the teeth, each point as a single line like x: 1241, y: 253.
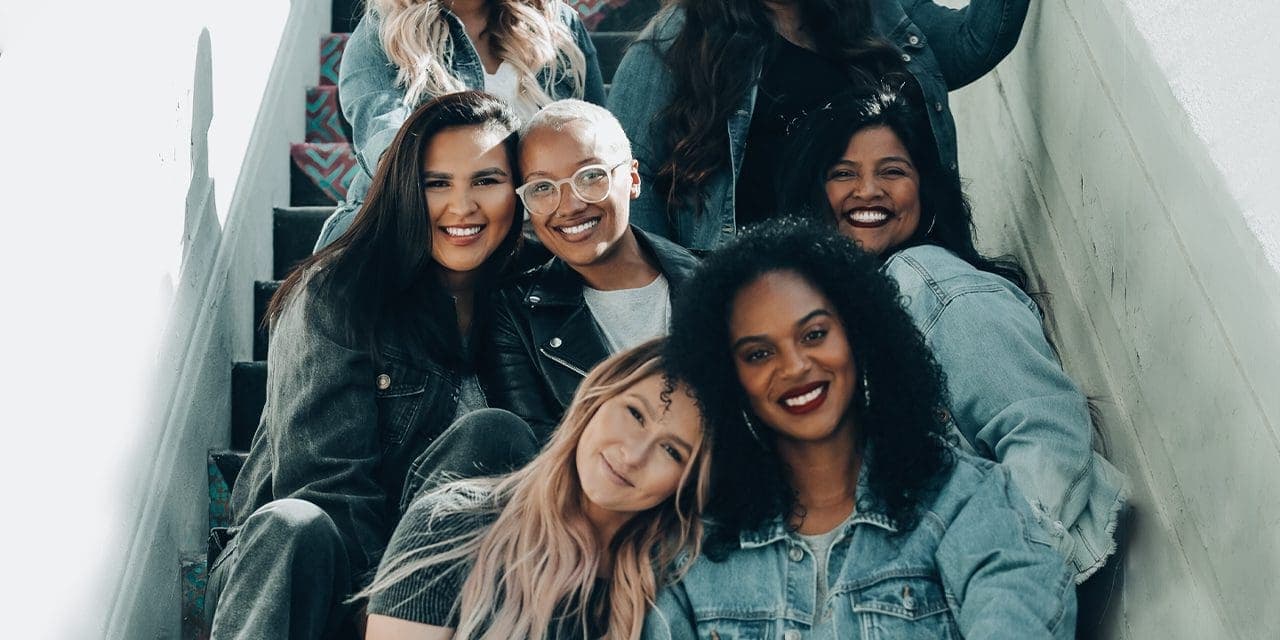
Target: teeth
x: 579, y: 228
x: 799, y: 401
x: 463, y: 232
x: 870, y: 216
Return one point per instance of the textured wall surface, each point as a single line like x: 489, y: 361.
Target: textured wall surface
x: 1126, y: 153
x: 145, y: 145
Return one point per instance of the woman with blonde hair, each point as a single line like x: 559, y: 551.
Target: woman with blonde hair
x: 575, y: 544
x: 405, y: 52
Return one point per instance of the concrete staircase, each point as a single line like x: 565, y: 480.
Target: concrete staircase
x: 321, y: 170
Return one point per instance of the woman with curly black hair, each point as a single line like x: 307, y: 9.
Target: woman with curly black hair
x: 837, y: 503
x: 867, y: 166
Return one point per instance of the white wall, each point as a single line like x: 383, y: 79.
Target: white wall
x: 1127, y: 153
x: 145, y: 144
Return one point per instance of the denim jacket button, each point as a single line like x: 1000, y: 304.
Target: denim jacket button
x: 796, y: 554
x: 937, y: 106
x: 384, y: 381
x: 906, y: 57
x: 791, y: 634
x: 534, y: 299
x: 914, y: 39
x: 555, y: 343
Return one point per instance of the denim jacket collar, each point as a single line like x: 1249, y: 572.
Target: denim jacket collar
x: 777, y: 530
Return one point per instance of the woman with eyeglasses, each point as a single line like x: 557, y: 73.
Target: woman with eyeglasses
x: 405, y: 52
x: 607, y: 287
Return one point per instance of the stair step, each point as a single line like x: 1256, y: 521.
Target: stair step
x: 610, y: 45
x: 193, y: 578
x: 321, y: 172
x: 331, y: 47
x: 262, y: 292
x: 295, y: 231
x: 324, y: 117
x: 248, y: 395
x: 224, y: 468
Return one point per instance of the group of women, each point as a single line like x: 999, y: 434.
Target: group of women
x: 857, y: 427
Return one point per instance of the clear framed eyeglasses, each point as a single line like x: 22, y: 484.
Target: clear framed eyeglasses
x: 590, y: 184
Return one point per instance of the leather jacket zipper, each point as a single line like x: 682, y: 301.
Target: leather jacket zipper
x: 543, y: 351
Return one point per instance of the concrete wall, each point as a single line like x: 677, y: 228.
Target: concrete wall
x: 1127, y: 153
x: 146, y: 142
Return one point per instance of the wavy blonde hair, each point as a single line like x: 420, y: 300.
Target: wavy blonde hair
x: 541, y: 552
x: 527, y: 34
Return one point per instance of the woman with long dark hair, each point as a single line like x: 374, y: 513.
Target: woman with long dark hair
x: 708, y: 91
x: 406, y: 52
x: 838, y: 508
x: 573, y: 545
x: 369, y: 363
x: 867, y: 166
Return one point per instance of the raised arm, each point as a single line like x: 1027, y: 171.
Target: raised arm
x: 969, y: 42
x: 998, y: 567
x: 371, y: 100
x: 322, y: 426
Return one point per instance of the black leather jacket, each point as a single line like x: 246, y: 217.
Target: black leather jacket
x: 544, y: 338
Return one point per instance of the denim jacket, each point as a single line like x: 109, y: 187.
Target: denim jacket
x: 341, y: 426
x: 1010, y: 399
x: 374, y: 104
x: 976, y: 565
x: 943, y: 48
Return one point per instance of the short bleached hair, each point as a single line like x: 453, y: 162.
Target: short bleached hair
x: 599, y: 120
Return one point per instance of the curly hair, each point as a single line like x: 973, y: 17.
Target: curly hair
x: 900, y: 427
x: 945, y: 217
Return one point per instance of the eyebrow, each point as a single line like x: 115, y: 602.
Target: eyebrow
x: 880, y: 161
x: 759, y: 337
x: 488, y: 171
x: 581, y: 163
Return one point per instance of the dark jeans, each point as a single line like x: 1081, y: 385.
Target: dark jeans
x: 1097, y: 595
x: 283, y: 573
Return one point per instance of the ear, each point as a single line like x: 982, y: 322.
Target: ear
x: 635, y: 179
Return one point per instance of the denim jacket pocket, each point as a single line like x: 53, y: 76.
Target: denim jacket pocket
x: 904, y: 608
x: 402, y: 392
x: 734, y: 629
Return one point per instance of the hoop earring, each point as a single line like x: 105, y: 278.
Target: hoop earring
x: 932, y: 221
x: 866, y: 390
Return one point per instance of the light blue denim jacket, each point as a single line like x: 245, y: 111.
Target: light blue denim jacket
x: 943, y: 48
x: 374, y: 104
x: 1010, y: 399
x: 975, y: 566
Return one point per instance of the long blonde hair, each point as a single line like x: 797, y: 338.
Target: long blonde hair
x: 527, y: 34
x: 541, y: 554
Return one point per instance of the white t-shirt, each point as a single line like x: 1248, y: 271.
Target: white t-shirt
x: 505, y: 84
x: 628, y: 317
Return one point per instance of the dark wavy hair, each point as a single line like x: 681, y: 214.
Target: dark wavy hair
x: 715, y: 60
x: 945, y: 217
x: 902, y: 425
x: 380, y: 273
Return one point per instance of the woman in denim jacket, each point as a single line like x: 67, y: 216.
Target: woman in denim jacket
x: 368, y: 365
x: 404, y: 52
x: 707, y: 92
x: 838, y: 509
x: 868, y: 166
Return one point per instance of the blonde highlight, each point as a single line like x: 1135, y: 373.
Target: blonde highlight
x: 527, y: 34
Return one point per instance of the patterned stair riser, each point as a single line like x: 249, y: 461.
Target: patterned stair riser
x: 324, y: 116
x: 329, y: 165
x: 331, y: 47
x: 194, y: 578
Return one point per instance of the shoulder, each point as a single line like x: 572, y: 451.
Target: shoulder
x: 448, y: 512
x: 931, y: 278
x: 676, y: 261
x: 977, y: 485
x: 312, y: 307
x: 570, y: 18
x: 664, y: 26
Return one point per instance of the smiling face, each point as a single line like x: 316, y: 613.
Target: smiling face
x: 874, y: 190
x: 792, y: 357
x: 635, y: 449
x: 471, y: 199
x: 580, y: 233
